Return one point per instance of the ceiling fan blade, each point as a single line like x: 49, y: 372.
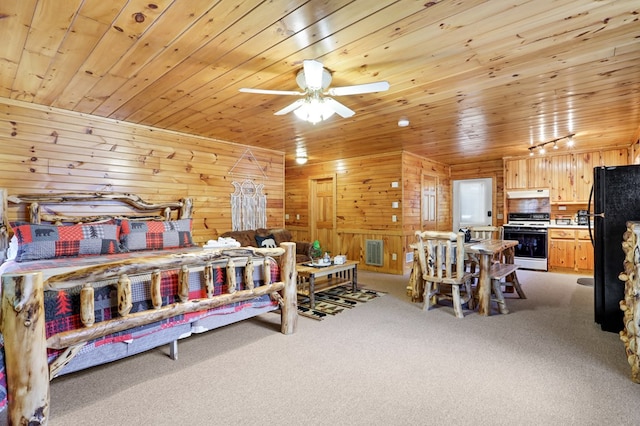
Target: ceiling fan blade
x: 357, y: 89
x: 340, y: 109
x: 270, y: 92
x: 313, y: 73
x: 290, y: 107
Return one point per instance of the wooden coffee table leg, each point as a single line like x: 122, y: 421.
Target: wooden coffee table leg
x: 312, y: 294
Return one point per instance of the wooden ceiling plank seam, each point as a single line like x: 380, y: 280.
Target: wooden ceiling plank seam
x: 47, y: 31
x: 14, y: 32
x: 154, y: 70
x: 81, y: 41
x: 126, y: 30
x: 143, y: 52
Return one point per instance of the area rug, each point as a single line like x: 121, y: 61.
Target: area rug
x: 334, y: 301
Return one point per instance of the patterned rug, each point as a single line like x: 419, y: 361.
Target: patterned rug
x: 334, y: 301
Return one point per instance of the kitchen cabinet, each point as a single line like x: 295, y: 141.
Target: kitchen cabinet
x: 526, y: 173
x: 567, y: 176
x: 570, y: 249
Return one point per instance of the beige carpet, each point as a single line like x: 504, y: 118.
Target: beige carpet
x: 385, y: 363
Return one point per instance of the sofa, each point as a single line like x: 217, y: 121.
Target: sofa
x: 269, y: 238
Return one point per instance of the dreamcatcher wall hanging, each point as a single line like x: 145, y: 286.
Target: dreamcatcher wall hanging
x: 248, y: 203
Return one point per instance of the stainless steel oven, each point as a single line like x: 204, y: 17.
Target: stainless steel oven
x: 530, y: 229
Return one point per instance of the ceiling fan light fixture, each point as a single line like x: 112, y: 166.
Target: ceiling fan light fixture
x: 313, y: 110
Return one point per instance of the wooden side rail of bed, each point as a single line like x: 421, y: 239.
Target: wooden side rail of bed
x: 23, y: 320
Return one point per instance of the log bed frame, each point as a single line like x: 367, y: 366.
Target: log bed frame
x: 22, y: 320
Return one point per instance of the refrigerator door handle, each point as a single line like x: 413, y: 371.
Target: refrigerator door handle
x: 593, y: 243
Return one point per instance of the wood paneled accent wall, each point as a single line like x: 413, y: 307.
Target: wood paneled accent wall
x: 364, y: 203
x: 50, y: 150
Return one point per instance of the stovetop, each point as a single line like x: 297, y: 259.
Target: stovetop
x: 529, y: 220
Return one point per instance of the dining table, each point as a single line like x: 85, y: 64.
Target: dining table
x: 484, y: 252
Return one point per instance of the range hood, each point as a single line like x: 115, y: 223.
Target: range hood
x: 528, y: 193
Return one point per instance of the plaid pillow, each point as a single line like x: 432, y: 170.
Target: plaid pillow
x: 155, y: 234
x: 37, y: 241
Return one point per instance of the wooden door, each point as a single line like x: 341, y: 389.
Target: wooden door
x: 322, y: 215
x: 429, y: 203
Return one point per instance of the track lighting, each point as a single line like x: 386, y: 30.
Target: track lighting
x: 541, y: 145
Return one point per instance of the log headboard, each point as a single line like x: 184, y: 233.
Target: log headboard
x: 82, y: 208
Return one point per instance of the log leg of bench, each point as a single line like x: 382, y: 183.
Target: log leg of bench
x: 502, y: 306
x: 25, y: 348
x: 512, y: 278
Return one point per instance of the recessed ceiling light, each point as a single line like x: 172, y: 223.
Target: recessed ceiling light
x: 301, y: 159
x: 403, y: 122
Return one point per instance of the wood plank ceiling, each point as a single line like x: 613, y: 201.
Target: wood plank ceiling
x: 477, y: 79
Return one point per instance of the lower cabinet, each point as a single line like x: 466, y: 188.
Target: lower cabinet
x: 570, y: 249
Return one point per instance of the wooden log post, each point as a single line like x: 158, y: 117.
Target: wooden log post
x: 87, y: 306
x: 156, y: 294
x: 25, y: 348
x: 266, y: 271
x: 288, y: 274
x: 124, y: 295
x: 231, y: 276
x: 248, y: 274
x: 183, y: 284
x: 187, y: 208
x: 34, y: 213
x: 630, y: 304
x: 208, y: 279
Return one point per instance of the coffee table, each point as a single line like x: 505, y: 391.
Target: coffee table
x: 329, y: 277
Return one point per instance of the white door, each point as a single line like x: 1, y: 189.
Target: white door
x: 472, y: 203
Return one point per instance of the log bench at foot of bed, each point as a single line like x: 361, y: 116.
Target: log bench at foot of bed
x: 22, y: 323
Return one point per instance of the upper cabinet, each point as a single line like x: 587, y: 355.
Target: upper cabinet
x: 569, y: 177
x: 516, y: 174
x: 526, y: 173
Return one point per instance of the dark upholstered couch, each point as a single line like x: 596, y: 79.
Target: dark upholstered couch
x: 262, y: 237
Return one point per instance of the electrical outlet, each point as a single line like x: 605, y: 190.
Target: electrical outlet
x: 394, y: 218
x: 394, y: 256
x: 297, y: 217
x: 286, y: 217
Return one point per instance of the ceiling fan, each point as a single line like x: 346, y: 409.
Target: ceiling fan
x: 314, y: 79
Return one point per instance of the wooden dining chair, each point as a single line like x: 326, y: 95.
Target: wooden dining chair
x: 443, y: 275
x: 486, y: 232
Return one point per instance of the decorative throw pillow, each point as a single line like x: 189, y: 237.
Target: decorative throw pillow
x: 155, y: 234
x: 268, y: 241
x: 37, y: 241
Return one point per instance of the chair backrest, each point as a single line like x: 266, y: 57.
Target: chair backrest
x: 438, y: 253
x: 486, y: 232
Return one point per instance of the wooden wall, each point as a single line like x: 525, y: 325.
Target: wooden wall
x: 364, y: 203
x: 48, y: 150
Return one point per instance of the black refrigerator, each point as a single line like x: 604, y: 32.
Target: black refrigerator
x: 616, y: 200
